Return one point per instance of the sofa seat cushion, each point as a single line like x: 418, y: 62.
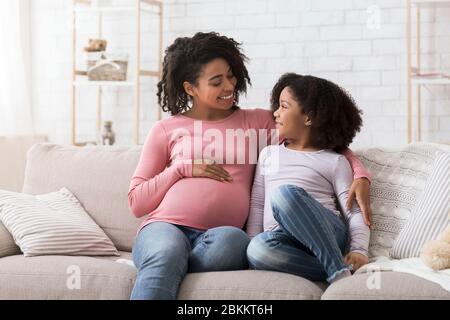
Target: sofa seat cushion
x: 102, y: 277
x: 54, y: 277
x: 392, y: 286
x: 248, y: 284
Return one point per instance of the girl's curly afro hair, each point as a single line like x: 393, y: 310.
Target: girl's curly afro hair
x: 335, y: 118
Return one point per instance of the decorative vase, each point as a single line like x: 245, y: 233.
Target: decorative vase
x: 108, y: 135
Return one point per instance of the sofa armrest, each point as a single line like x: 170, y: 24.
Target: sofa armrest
x: 7, y: 245
x: 13, y: 159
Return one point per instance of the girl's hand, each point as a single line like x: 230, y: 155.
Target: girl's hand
x: 209, y: 169
x: 356, y: 259
x: 361, y: 189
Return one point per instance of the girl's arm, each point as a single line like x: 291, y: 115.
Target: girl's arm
x: 152, y: 178
x: 359, y: 232
x: 255, y: 220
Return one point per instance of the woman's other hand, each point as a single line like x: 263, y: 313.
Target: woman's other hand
x: 360, y: 189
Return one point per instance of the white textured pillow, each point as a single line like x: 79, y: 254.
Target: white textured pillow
x: 52, y: 224
x: 429, y: 216
x: 398, y: 178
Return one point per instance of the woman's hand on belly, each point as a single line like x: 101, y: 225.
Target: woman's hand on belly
x: 209, y: 169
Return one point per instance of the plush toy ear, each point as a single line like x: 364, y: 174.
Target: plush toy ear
x: 445, y: 236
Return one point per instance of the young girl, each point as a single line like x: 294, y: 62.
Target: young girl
x: 190, y: 180
x: 300, y: 185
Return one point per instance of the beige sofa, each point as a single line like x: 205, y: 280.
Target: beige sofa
x: 13, y: 150
x: 99, y: 177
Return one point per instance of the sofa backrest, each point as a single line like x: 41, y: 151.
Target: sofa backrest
x: 98, y: 176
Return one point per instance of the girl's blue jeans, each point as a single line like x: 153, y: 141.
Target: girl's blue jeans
x: 164, y: 253
x: 310, y: 241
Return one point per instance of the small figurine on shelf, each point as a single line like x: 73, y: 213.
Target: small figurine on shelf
x: 96, y: 45
x: 108, y: 135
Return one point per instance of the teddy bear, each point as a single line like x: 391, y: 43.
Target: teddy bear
x: 436, y: 253
x: 96, y: 45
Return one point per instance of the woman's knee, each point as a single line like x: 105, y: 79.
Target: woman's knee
x: 222, y: 248
x: 162, y: 243
x: 230, y: 238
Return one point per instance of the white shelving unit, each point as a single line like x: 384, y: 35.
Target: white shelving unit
x: 413, y: 72
x: 149, y: 7
x: 105, y: 83
x: 114, y: 9
x: 423, y: 80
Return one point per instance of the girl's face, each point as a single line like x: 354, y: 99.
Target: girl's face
x: 215, y: 86
x: 290, y: 119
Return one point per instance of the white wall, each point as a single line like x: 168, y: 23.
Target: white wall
x: 338, y: 40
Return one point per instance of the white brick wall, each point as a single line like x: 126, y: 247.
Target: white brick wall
x: 332, y: 39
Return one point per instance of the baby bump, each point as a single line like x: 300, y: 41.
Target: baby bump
x: 209, y: 201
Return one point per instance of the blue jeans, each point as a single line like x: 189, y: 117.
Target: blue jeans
x: 310, y: 241
x: 164, y: 252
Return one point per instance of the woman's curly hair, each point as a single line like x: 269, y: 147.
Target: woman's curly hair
x: 335, y: 118
x: 184, y: 60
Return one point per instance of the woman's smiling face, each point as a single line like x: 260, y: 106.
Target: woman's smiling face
x: 290, y: 119
x: 215, y: 88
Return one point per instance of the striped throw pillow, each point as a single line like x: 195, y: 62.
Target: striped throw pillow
x: 429, y: 216
x: 52, y: 224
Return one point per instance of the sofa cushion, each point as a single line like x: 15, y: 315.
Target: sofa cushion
x: 98, y: 176
x: 55, y: 277
x: 52, y: 224
x: 429, y: 215
x: 103, y: 277
x: 242, y: 284
x: 398, y: 178
x: 248, y: 284
x: 392, y: 286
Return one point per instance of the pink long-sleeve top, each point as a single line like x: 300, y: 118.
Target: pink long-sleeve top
x: 163, y: 187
